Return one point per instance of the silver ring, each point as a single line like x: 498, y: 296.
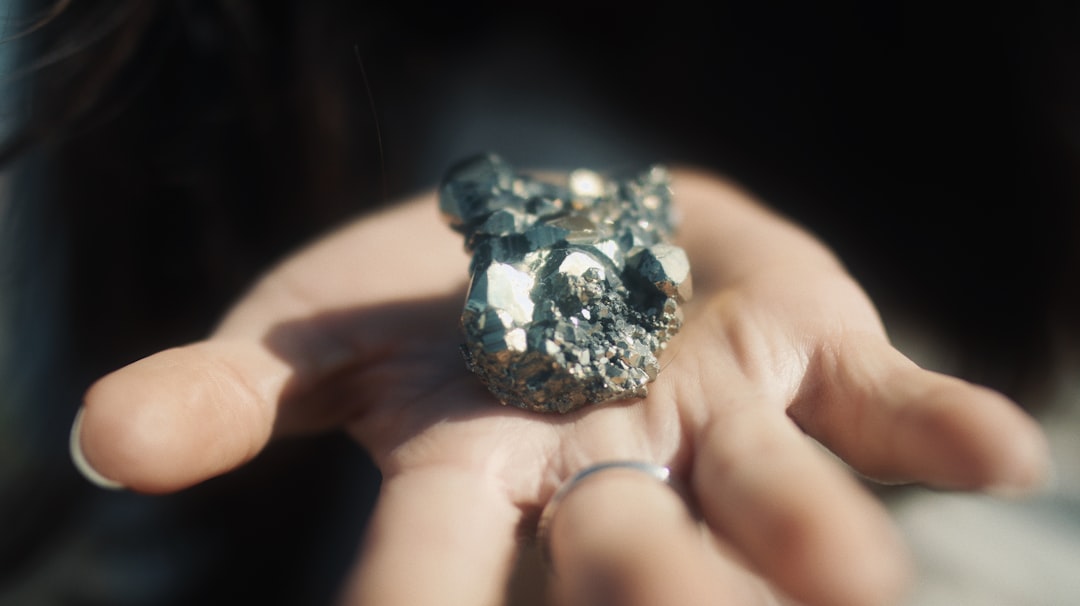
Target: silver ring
x: 658, y: 472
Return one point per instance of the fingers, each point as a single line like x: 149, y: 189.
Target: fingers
x: 864, y: 400
x: 622, y: 537
x: 799, y: 519
x: 186, y: 414
x: 438, y: 537
x: 892, y: 420
x: 180, y: 416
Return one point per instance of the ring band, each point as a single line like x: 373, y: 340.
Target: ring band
x: 657, y: 472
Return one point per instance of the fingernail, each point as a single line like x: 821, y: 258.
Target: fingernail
x: 79, y: 459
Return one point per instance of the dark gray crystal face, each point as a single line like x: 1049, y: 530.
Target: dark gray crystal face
x: 575, y: 287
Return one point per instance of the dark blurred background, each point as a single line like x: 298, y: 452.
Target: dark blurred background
x: 160, y: 154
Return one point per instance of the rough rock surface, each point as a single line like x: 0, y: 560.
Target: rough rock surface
x: 575, y: 288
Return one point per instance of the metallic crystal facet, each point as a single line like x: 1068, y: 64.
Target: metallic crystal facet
x: 575, y: 287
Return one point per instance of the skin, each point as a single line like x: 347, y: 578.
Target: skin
x: 779, y: 344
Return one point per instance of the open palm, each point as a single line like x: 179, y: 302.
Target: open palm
x: 359, y: 332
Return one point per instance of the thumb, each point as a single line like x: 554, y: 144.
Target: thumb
x: 179, y: 417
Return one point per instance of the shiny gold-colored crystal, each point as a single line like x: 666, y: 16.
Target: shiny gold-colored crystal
x: 575, y: 288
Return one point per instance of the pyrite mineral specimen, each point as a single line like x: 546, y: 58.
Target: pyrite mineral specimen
x: 575, y: 287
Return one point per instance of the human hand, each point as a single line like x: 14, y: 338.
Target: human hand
x: 359, y: 332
